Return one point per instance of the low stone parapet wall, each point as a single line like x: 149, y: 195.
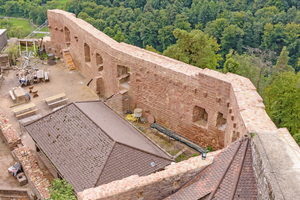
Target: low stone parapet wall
x: 154, y: 186
x: 8, y: 132
x: 276, y: 164
x: 38, y: 183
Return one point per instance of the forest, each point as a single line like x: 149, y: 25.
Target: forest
x: 258, y: 39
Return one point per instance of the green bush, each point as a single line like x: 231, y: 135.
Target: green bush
x: 61, y: 189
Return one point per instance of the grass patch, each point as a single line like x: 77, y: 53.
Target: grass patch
x: 25, y: 23
x: 21, y: 22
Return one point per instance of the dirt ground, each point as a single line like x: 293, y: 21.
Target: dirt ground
x: 167, y: 143
x: 72, y: 83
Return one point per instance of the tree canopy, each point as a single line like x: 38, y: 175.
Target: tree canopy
x: 281, y: 99
x: 195, y: 48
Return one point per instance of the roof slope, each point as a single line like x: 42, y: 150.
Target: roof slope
x: 70, y: 141
x: 125, y: 160
x: 117, y: 128
x: 231, y: 175
x: 82, y: 150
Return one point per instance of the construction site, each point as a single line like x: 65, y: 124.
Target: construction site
x: 120, y: 122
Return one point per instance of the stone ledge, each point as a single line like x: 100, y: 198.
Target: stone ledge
x: 36, y: 179
x: 276, y: 165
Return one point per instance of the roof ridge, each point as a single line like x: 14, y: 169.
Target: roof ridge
x: 93, y: 122
x: 213, y: 192
x: 143, y: 150
x: 164, y: 151
x: 101, y: 171
x: 237, y: 177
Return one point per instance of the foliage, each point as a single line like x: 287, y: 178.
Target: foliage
x: 150, y: 48
x: 252, y: 135
x: 281, y: 100
x: 270, y: 24
x: 210, y: 148
x: 61, y: 189
x: 195, y: 48
x: 255, y: 65
x: 13, y: 53
x: 231, y: 65
x: 297, y: 138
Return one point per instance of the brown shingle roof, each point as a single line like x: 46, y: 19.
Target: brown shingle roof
x: 82, y: 148
x: 231, y: 175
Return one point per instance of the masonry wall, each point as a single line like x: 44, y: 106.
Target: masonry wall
x: 155, y: 186
x: 8, y: 133
x: 165, y: 88
x: 37, y: 181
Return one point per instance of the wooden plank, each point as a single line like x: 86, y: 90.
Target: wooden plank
x: 52, y: 98
x: 31, y: 111
x: 25, y: 107
x: 56, y: 102
x: 12, y: 95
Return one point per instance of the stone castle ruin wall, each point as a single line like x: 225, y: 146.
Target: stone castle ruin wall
x: 188, y: 100
x: 192, y: 102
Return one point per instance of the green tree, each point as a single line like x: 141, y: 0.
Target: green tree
x: 282, y: 62
x: 206, y: 13
x: 166, y: 37
x: 232, y: 38
x: 231, y: 65
x: 181, y: 22
x: 297, y: 138
x: 61, y: 189
x: 119, y: 37
x: 13, y: 53
x: 216, y: 28
x: 151, y: 48
x: 195, y: 48
x: 281, y: 100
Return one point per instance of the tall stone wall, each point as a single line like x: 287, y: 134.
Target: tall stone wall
x: 170, y: 90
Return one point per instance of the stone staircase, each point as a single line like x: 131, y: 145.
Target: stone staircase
x: 68, y: 59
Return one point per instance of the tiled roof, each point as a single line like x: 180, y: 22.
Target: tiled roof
x: 126, y: 160
x: 118, y: 129
x: 82, y: 151
x: 230, y: 176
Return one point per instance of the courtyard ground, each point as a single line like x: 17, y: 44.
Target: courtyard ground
x: 74, y: 85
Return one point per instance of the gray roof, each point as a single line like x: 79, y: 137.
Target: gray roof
x: 2, y: 31
x: 90, y: 145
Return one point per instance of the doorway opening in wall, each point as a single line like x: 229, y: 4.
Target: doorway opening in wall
x: 123, y: 76
x: 87, y: 53
x: 221, y: 122
x: 99, y: 63
x: 200, y: 116
x: 67, y: 37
